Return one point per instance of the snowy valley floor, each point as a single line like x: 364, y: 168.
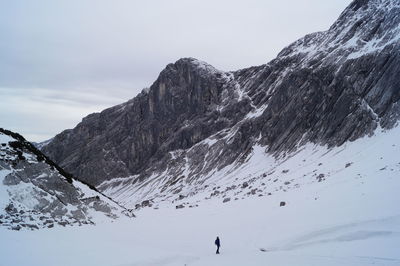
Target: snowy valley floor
x: 351, y: 218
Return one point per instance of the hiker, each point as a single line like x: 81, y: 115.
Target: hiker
x: 218, y: 244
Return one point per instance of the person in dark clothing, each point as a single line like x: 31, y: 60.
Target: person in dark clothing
x: 218, y: 244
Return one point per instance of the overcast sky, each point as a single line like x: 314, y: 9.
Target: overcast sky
x: 62, y: 60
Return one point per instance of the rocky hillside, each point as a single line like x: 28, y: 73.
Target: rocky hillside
x: 36, y: 193
x: 326, y: 88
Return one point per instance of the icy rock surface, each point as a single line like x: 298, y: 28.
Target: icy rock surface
x: 34, y: 193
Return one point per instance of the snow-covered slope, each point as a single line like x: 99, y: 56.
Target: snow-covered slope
x: 36, y: 193
x: 350, y: 218
x: 263, y: 175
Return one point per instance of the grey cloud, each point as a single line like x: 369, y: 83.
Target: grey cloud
x: 42, y: 113
x: 93, y: 53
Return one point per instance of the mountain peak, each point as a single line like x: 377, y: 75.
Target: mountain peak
x: 365, y: 27
x: 364, y: 4
x: 194, y: 65
x: 356, y: 4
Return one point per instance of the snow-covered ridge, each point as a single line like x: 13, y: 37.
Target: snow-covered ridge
x: 42, y: 144
x: 202, y: 65
x: 35, y: 193
x: 360, y: 30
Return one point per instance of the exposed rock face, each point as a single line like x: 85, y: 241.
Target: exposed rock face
x: 180, y: 109
x: 35, y: 193
x: 333, y: 86
x: 327, y: 88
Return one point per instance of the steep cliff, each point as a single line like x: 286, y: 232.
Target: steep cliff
x: 181, y: 108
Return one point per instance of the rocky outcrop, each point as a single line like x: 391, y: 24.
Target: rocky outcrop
x: 328, y: 88
x: 36, y: 193
x: 332, y: 86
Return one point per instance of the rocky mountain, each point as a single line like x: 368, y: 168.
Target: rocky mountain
x: 36, y: 193
x: 196, y: 123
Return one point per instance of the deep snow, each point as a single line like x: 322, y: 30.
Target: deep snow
x: 352, y: 217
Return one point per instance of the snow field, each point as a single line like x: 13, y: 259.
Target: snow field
x: 350, y: 218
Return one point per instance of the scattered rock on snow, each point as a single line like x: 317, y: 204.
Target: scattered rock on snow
x: 146, y: 203
x: 348, y: 164
x: 16, y: 228
x: 320, y: 177
x: 226, y: 200
x: 215, y: 193
x: 253, y: 191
